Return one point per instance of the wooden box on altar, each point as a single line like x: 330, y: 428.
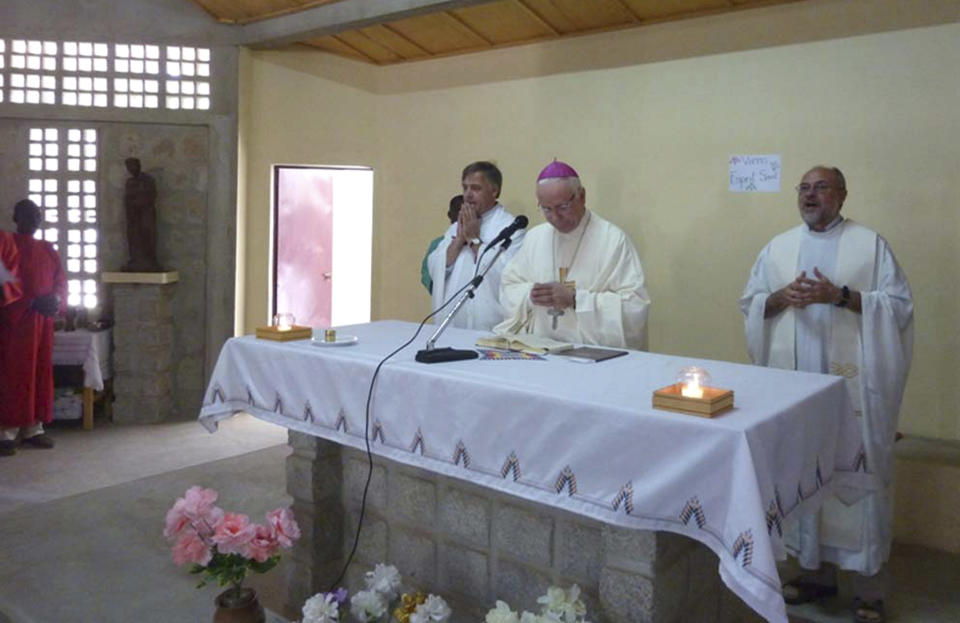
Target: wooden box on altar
x: 296, y: 332
x: 714, y: 400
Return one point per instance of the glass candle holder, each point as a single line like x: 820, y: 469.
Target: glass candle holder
x: 692, y: 380
x: 283, y: 321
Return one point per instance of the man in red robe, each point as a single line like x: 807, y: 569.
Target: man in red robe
x: 26, y: 337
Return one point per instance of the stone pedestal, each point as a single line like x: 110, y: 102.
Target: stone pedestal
x: 143, y: 339
x: 473, y: 545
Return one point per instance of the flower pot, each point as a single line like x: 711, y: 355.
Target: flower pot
x: 238, y: 606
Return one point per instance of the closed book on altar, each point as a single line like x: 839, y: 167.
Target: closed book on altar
x: 592, y: 353
x: 524, y: 343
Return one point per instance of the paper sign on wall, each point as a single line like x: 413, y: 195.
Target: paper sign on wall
x: 757, y: 173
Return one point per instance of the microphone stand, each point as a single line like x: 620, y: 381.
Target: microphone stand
x: 432, y: 354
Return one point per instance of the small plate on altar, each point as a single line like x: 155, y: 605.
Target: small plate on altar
x: 342, y: 340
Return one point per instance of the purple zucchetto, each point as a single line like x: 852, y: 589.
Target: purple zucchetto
x: 557, y: 169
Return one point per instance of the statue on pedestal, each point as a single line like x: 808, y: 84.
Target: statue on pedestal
x: 140, y: 201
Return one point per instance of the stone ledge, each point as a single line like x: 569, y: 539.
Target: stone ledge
x: 170, y: 276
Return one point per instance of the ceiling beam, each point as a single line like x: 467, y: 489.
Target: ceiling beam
x: 329, y: 19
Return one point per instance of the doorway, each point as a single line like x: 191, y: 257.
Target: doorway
x: 322, y: 225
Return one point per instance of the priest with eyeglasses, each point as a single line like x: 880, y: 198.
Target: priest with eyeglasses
x: 828, y: 296
x: 577, y: 277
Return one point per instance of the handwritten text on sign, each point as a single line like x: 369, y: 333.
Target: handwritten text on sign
x: 755, y: 174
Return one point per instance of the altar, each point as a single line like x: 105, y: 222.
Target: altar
x: 89, y: 352
x: 520, y: 469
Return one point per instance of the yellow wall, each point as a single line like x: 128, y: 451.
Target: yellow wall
x: 651, y: 140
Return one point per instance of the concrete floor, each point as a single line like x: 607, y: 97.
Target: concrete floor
x: 81, y: 527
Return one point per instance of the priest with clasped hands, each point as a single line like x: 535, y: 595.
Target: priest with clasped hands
x: 457, y: 258
x: 828, y: 296
x: 577, y: 277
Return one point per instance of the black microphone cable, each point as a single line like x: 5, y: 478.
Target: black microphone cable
x: 366, y: 431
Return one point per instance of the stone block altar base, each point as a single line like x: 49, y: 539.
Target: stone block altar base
x: 473, y: 545
x: 143, y: 338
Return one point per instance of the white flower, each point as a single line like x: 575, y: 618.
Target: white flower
x: 529, y: 617
x: 502, y: 614
x: 321, y: 608
x: 433, y: 609
x: 565, y: 605
x: 384, y: 579
x: 368, y: 605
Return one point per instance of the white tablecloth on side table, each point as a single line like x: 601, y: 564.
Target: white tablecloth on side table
x: 581, y: 437
x: 90, y: 349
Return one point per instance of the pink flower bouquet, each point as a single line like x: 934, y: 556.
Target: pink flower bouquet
x: 224, y: 546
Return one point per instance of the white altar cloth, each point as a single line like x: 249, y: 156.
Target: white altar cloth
x: 90, y: 349
x: 581, y: 437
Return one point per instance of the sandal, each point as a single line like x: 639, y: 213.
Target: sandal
x: 799, y: 592
x: 868, y: 611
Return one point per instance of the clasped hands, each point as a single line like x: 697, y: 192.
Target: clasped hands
x: 553, y: 294
x: 468, y: 228
x: 804, y: 291
x: 468, y: 224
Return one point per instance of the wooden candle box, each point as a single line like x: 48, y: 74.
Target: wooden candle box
x: 296, y: 332
x: 714, y: 400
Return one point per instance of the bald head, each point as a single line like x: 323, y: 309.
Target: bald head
x: 820, y: 195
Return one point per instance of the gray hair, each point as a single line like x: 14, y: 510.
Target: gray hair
x: 572, y: 182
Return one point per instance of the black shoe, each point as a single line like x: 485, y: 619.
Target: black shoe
x: 42, y: 440
x: 800, y: 592
x: 7, y: 448
x: 868, y: 611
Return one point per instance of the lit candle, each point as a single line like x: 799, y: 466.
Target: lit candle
x: 692, y: 389
x: 283, y: 322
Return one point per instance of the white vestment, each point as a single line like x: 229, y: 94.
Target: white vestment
x: 871, y: 350
x: 612, y: 304
x: 483, y: 311
x: 5, y: 275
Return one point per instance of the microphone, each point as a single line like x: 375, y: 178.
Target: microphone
x: 518, y: 223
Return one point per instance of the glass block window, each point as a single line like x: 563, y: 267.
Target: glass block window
x: 65, y: 188
x: 188, y: 74
x: 83, y: 56
x: 33, y: 66
x: 91, y: 74
x: 136, y: 93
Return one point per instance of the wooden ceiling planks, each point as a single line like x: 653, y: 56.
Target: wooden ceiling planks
x: 502, y: 23
x: 477, y: 27
x: 439, y: 33
x: 658, y: 10
x: 246, y: 11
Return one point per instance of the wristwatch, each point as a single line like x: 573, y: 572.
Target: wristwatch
x: 844, y: 297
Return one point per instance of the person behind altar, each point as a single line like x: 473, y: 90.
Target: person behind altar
x: 26, y: 337
x: 453, y: 263
x: 828, y: 296
x: 453, y: 214
x: 577, y: 277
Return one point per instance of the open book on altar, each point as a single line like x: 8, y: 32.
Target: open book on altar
x: 523, y: 342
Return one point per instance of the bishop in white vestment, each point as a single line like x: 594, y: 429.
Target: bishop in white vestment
x: 454, y: 261
x: 578, y: 277
x: 828, y: 296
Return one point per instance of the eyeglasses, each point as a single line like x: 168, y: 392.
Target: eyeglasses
x: 563, y: 208
x: 819, y: 187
